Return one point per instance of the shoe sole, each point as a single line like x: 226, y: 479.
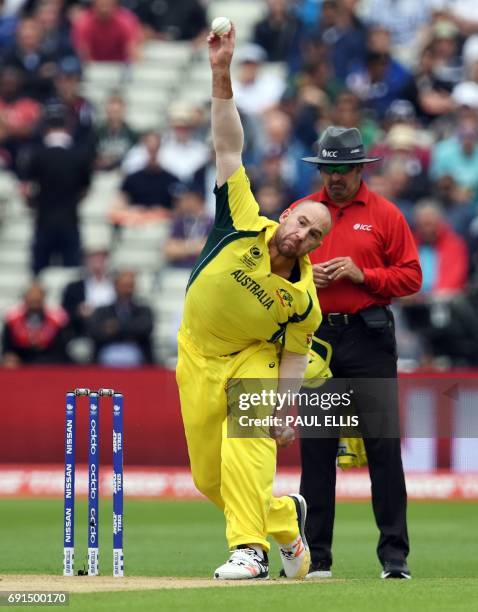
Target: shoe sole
x: 243, y: 578
x: 301, y: 510
x: 319, y: 575
x: 395, y: 576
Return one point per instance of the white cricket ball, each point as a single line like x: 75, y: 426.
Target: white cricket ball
x: 220, y: 26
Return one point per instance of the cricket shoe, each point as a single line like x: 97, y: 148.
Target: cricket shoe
x: 296, y: 556
x: 318, y: 571
x: 395, y: 569
x: 243, y: 564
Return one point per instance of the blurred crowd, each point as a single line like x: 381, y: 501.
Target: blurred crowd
x: 404, y: 72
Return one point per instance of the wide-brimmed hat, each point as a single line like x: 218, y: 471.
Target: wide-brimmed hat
x: 182, y: 113
x: 401, y: 136
x: 339, y: 145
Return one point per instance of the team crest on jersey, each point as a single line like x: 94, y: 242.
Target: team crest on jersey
x: 255, y: 252
x: 251, y: 257
x: 285, y: 297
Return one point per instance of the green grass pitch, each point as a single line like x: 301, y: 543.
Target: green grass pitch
x: 187, y: 539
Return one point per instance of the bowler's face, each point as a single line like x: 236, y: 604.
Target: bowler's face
x: 302, y: 229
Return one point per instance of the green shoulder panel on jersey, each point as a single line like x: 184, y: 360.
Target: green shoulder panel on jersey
x: 236, y: 206
x: 223, y: 218
x: 237, y: 216
x: 217, y: 240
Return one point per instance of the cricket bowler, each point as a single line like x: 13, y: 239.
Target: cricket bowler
x: 251, y: 310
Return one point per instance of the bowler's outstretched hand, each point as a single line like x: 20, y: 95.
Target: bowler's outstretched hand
x: 283, y: 435
x: 221, y: 48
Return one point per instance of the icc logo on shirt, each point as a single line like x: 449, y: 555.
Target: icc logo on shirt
x: 364, y: 228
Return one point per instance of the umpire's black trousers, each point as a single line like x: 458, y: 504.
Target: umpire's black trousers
x: 358, y: 352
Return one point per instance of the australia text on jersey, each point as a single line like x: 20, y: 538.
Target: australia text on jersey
x: 256, y: 290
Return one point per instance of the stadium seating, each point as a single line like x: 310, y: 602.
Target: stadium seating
x: 55, y: 279
x: 149, y: 87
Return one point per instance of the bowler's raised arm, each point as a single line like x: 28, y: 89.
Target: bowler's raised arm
x: 227, y: 132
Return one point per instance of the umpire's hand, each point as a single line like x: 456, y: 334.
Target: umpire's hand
x: 335, y: 269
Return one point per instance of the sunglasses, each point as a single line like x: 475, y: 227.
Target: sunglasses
x: 339, y: 169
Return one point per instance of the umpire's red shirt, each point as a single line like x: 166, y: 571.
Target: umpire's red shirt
x: 374, y: 233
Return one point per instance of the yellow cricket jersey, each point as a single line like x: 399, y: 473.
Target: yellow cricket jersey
x: 233, y: 299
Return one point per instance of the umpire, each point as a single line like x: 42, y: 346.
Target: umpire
x: 368, y: 258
